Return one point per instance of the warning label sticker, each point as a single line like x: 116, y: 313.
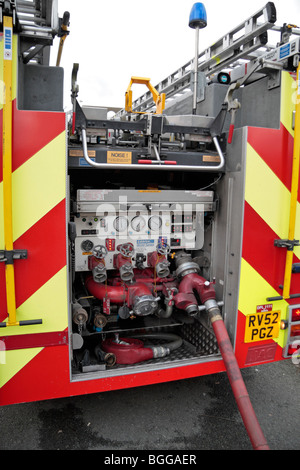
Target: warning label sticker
x: 8, y: 43
x: 119, y: 157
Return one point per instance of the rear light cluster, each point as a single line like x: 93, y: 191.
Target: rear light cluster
x: 293, y: 338
x: 295, y: 314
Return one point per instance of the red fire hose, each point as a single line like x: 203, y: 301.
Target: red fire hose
x: 251, y: 423
x: 132, y: 350
x: 193, y: 282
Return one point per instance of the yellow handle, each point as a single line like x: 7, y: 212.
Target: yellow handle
x: 294, y: 193
x: 158, y: 99
x: 7, y: 166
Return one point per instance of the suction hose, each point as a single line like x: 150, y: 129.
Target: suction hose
x: 132, y: 350
x: 173, y: 341
x: 251, y: 423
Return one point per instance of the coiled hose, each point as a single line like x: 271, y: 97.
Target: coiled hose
x: 173, y: 341
x: 132, y: 350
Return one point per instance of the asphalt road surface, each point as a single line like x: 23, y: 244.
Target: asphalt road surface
x: 189, y: 415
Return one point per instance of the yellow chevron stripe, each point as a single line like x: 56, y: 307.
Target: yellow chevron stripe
x: 252, y: 282
x: 268, y: 196
x: 14, y: 361
x: 38, y: 185
x: 49, y: 303
x: 288, y: 97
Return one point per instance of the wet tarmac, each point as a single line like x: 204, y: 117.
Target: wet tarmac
x: 189, y: 415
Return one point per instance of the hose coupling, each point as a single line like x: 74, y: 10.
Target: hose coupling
x: 213, y: 310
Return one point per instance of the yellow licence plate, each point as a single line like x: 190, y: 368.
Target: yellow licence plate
x: 261, y: 326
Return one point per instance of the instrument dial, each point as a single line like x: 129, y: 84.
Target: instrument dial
x: 138, y: 223
x: 120, y: 224
x: 155, y: 222
x: 87, y: 245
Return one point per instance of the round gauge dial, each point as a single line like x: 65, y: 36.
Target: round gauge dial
x: 138, y: 223
x: 120, y: 224
x: 155, y: 222
x: 87, y: 245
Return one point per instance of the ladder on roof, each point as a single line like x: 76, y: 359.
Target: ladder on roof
x: 38, y: 18
x: 247, y: 41
x: 37, y: 23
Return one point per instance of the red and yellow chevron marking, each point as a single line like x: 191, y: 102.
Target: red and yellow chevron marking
x: 266, y: 218
x: 39, y: 225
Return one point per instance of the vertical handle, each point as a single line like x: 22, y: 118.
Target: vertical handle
x: 7, y: 165
x: 294, y: 193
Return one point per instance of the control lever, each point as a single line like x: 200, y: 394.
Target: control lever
x: 99, y: 251
x: 126, y: 249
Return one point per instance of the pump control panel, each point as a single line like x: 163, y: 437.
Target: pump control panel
x: 147, y: 220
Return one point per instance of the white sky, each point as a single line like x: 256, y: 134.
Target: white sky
x: 114, y: 40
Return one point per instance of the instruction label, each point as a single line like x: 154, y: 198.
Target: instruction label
x: 211, y: 158
x: 119, y: 157
x: 8, y: 43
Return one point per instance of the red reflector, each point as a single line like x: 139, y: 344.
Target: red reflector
x: 292, y: 349
x: 110, y: 244
x: 296, y: 314
x: 295, y: 330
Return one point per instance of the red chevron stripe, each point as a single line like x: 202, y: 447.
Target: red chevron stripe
x: 259, y: 251
x: 32, y: 130
x: 46, y: 245
x: 271, y: 145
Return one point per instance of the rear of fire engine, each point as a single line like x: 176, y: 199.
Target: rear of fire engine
x: 158, y: 244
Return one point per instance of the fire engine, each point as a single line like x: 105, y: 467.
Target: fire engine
x: 157, y: 244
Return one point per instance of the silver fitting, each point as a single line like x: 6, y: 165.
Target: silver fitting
x: 79, y: 314
x: 99, y: 273
x: 126, y: 272
x: 185, y: 265
x: 159, y: 351
x: 162, y: 269
x: 145, y: 305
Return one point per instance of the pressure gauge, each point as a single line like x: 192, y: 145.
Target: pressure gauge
x: 120, y: 224
x: 87, y: 245
x: 138, y: 223
x: 155, y: 222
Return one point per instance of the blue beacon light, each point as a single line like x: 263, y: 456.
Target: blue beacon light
x: 197, y: 20
x: 198, y: 16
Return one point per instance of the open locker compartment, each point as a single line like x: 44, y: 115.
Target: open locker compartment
x: 137, y: 296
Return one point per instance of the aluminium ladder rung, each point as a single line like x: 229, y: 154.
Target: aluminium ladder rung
x: 38, y: 19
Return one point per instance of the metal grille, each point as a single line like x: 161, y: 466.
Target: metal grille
x: 200, y: 338
x: 198, y: 343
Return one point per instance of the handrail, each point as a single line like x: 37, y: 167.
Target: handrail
x: 158, y: 165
